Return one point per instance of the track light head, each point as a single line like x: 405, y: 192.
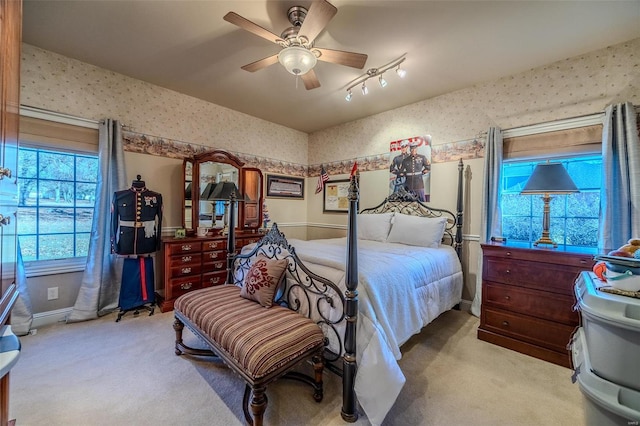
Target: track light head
x: 401, y: 72
x: 349, y: 96
x: 365, y: 89
x: 383, y: 82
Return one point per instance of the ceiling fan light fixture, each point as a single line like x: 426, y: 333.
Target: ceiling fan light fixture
x: 401, y: 72
x: 383, y: 82
x: 297, y: 60
x: 365, y: 89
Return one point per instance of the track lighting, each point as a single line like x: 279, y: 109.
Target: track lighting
x: 376, y: 72
x: 349, y: 96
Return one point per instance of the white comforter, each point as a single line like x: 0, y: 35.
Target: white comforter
x: 401, y: 289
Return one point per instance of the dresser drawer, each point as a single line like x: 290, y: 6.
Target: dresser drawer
x: 184, y: 260
x: 214, y: 245
x: 547, y: 256
x: 185, y: 270
x: 544, y: 276
x: 212, y: 256
x: 536, y: 331
x: 180, y: 286
x: 544, y: 305
x: 214, y: 266
x: 214, y: 278
x: 184, y: 247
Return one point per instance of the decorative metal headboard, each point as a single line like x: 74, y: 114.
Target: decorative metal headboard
x: 300, y: 290
x: 407, y: 202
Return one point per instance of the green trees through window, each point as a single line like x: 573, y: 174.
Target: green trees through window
x: 56, y: 193
x: 574, y: 217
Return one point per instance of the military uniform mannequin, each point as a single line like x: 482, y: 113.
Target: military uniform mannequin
x: 136, y: 223
x: 136, y: 220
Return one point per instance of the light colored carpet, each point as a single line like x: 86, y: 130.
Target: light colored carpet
x: 106, y: 373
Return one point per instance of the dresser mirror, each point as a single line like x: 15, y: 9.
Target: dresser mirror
x: 209, y: 180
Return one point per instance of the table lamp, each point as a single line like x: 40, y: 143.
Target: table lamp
x: 548, y: 179
x: 220, y: 191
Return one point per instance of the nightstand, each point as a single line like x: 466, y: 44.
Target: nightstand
x: 527, y: 299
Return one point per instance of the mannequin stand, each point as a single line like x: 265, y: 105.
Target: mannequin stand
x: 136, y: 311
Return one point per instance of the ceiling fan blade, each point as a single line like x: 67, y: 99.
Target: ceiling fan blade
x: 319, y: 15
x: 246, y: 24
x: 350, y: 59
x: 310, y: 80
x: 262, y: 63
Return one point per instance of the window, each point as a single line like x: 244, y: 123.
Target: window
x: 56, y: 202
x: 574, y: 217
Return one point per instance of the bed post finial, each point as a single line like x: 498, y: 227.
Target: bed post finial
x: 349, y: 413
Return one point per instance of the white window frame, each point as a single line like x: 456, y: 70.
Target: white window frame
x: 38, y: 268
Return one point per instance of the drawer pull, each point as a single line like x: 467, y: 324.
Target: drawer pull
x: 185, y: 270
x: 186, y: 259
x: 508, y: 271
x: 186, y: 247
x: 186, y: 286
x: 218, y: 265
x: 505, y: 323
x: 508, y: 253
x: 215, y: 280
x: 507, y: 297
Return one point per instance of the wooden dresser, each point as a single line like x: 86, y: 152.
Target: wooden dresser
x: 527, y: 299
x: 187, y: 264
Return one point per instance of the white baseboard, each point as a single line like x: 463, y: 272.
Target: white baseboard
x: 50, y: 317
x: 465, y: 305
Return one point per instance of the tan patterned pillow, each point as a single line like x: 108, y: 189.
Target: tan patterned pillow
x: 262, y: 280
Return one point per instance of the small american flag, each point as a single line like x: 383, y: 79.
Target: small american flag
x: 324, y: 176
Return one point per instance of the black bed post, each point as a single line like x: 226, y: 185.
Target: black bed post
x: 349, y: 413
x: 231, y: 237
x: 458, y: 243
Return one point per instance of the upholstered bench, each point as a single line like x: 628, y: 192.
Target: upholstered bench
x: 251, y: 328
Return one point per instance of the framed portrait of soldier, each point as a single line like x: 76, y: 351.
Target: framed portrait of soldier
x: 410, y: 166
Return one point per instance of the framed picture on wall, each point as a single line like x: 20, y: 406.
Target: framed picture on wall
x: 336, y: 196
x: 285, y: 186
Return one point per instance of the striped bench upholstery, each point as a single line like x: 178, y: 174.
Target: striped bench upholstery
x: 260, y: 339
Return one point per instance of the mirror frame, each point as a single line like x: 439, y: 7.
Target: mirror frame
x: 224, y: 157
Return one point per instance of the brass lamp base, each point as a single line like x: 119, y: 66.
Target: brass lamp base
x: 546, y: 221
x: 545, y: 240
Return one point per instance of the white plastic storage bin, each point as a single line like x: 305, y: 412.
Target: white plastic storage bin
x: 612, y: 332
x: 605, y: 403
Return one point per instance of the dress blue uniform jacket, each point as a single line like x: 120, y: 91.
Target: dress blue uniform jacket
x: 136, y: 221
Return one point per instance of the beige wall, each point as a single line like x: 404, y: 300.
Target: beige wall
x: 568, y: 88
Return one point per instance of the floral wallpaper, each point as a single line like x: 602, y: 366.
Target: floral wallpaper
x: 564, y: 89
x: 456, y: 121
x: 61, y: 84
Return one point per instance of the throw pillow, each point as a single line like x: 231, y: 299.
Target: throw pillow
x: 262, y: 280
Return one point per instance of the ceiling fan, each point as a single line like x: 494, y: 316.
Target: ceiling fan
x: 298, y: 54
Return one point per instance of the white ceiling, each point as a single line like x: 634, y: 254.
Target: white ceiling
x: 186, y: 46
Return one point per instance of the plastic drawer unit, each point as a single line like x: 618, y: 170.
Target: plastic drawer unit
x: 611, y: 326
x: 605, y: 403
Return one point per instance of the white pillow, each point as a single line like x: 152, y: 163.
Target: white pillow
x: 416, y: 230
x: 374, y: 227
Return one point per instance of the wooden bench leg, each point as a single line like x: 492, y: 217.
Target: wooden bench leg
x: 178, y: 326
x: 258, y: 404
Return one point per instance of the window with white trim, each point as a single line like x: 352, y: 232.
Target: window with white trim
x: 56, y: 196
x: 57, y: 178
x: 574, y: 217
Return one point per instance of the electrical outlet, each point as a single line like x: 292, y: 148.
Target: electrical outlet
x: 52, y: 293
